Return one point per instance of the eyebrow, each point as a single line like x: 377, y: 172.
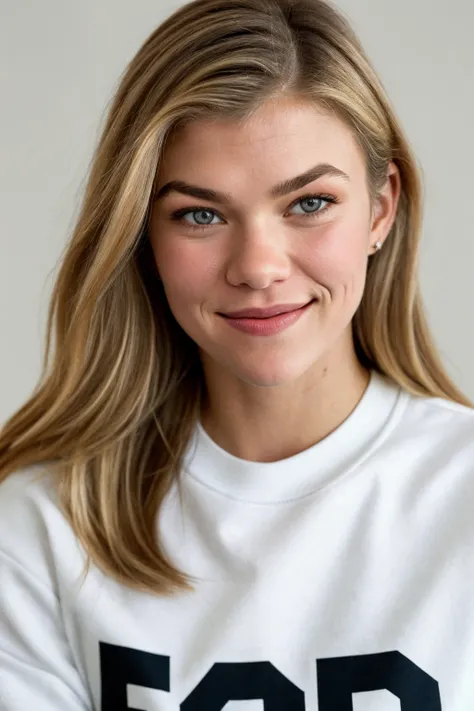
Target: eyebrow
x: 284, y: 188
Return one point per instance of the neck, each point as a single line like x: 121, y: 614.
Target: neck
x: 267, y: 425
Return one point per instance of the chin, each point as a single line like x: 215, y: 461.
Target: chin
x: 272, y: 374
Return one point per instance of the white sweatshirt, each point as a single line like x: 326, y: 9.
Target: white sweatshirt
x: 339, y: 579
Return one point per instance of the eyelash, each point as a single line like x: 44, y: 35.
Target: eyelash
x: 179, y: 215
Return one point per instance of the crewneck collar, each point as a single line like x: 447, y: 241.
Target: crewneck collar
x: 308, y: 471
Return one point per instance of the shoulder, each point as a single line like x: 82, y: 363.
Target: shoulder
x: 436, y: 418
x: 24, y: 495
x: 428, y: 439
x: 431, y: 443
x: 33, y: 528
x: 24, y: 491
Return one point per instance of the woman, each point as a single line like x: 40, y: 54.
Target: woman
x: 200, y: 506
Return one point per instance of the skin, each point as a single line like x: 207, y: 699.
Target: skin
x: 271, y: 397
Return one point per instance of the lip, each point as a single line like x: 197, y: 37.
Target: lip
x: 268, y: 326
x: 266, y: 312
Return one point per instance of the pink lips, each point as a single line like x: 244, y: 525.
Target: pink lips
x: 268, y: 326
x: 266, y: 312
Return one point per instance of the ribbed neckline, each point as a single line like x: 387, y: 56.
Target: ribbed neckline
x: 308, y: 471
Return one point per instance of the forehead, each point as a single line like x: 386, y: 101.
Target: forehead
x: 281, y: 139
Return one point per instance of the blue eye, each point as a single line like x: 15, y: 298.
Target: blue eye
x: 330, y: 200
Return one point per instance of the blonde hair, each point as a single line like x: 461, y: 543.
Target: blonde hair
x: 113, y: 412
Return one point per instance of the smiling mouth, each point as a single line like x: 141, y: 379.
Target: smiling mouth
x: 275, y: 316
x: 266, y: 318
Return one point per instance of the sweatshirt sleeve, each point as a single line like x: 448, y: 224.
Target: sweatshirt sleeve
x: 37, y: 669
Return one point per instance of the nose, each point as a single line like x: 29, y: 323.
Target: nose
x: 258, y: 260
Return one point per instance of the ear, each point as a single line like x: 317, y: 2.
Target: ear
x: 385, y: 208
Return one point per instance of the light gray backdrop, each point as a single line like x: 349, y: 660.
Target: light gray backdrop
x: 59, y: 64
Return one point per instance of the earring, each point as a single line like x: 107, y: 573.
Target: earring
x: 378, y: 245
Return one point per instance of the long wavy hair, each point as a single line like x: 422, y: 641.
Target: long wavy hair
x: 116, y: 403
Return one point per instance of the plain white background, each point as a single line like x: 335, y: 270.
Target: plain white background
x: 60, y: 62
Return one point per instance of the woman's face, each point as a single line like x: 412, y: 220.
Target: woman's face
x: 260, y: 249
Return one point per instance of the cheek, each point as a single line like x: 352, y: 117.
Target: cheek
x: 338, y: 254
x: 187, y: 271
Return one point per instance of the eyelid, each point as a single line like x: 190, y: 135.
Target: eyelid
x: 327, y: 197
